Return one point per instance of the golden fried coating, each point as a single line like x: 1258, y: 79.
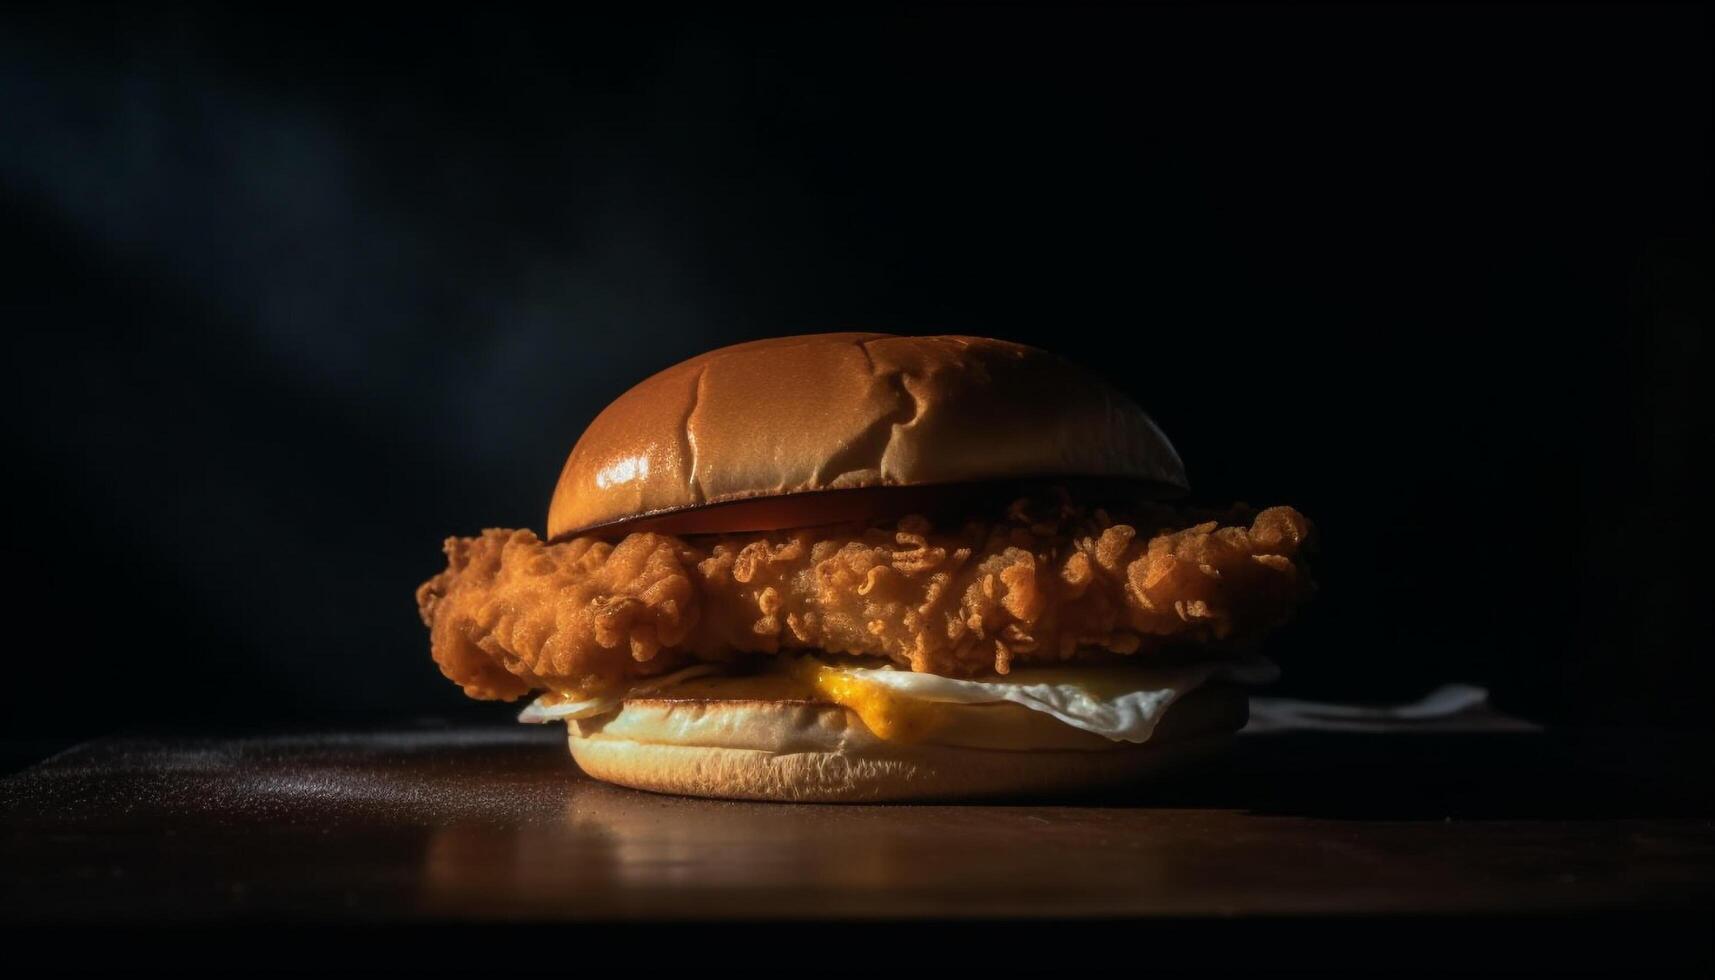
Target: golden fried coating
x: 512, y: 615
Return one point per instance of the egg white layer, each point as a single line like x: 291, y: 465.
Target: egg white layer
x: 1120, y: 703
x: 1123, y: 704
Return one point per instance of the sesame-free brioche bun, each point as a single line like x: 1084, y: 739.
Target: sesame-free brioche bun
x: 812, y: 752
x: 797, y: 431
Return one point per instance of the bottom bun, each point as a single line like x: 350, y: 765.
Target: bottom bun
x: 821, y: 753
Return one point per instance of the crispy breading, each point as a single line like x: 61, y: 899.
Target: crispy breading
x: 512, y: 614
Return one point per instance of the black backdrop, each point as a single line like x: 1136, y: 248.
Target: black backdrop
x: 292, y: 295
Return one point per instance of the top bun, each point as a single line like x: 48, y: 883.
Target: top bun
x: 753, y: 436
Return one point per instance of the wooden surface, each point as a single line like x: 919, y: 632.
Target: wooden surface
x: 490, y: 827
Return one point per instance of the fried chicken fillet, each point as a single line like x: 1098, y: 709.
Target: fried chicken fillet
x: 585, y: 617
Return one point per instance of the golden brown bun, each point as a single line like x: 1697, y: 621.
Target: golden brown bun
x: 759, y: 426
x: 809, y: 752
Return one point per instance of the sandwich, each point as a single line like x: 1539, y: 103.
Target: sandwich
x: 864, y: 567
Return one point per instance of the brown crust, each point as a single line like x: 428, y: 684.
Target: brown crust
x: 826, y: 412
x: 929, y: 774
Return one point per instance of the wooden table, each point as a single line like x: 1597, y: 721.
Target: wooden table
x: 1299, y: 850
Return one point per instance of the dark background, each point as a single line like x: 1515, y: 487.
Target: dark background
x: 291, y: 295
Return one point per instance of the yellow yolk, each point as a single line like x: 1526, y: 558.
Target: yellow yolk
x: 890, y: 716
x: 1058, y: 706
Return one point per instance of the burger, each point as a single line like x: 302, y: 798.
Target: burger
x: 864, y: 567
